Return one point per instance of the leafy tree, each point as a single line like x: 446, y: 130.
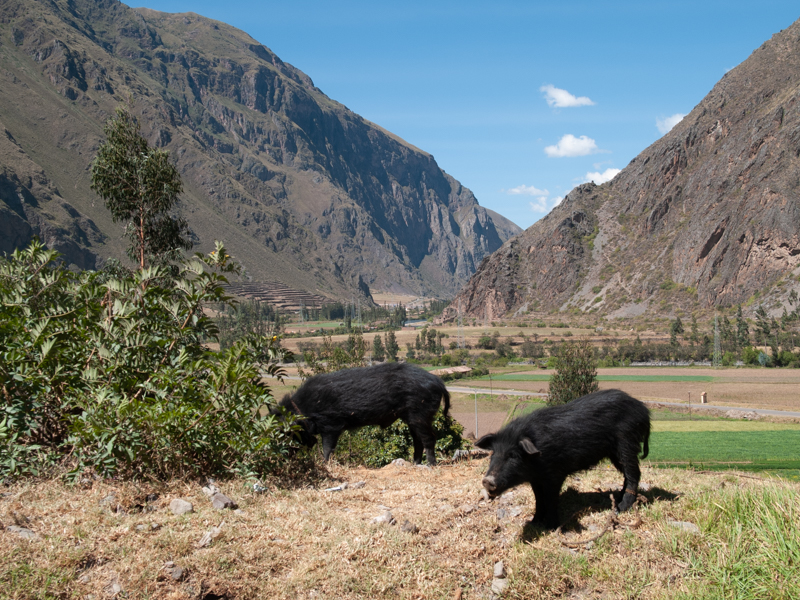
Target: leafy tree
x: 378, y: 351
x: 140, y: 186
x: 676, y: 327
x: 763, y: 324
x: 694, y: 337
x: 485, y: 342
x: 742, y: 329
x: 430, y: 345
x: 576, y: 373
x: 392, y: 347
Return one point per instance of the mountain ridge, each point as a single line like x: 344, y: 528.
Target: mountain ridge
x: 706, y: 217
x: 302, y: 190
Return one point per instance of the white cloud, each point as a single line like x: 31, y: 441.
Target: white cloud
x: 667, y: 123
x: 559, y: 98
x: 543, y: 204
x: 540, y: 205
x: 527, y: 190
x: 599, y: 177
x: 569, y: 145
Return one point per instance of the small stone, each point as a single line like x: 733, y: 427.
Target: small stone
x: 398, y: 462
x: 386, y: 517
x: 499, y: 570
x: 220, y: 501
x: 409, y: 527
x: 169, y: 564
x: 115, y: 589
x: 424, y: 467
x: 210, y: 490
x: 466, y: 508
x: 499, y: 586
x: 210, y: 535
x: 501, y: 513
x: 358, y: 484
x: 258, y: 488
x: 485, y: 494
x: 23, y: 532
x: 514, y: 511
x: 154, y: 526
x: 177, y: 573
x: 238, y: 511
x: 685, y: 525
x: 645, y: 487
x: 180, y: 507
x: 141, y: 527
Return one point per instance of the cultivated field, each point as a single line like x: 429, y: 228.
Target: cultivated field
x: 775, y: 389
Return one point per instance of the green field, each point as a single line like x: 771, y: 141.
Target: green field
x: 775, y: 452
x: 546, y: 377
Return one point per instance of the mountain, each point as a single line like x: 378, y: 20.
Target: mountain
x: 707, y: 216
x: 303, y: 191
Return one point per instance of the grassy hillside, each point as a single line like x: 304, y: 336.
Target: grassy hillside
x: 694, y: 536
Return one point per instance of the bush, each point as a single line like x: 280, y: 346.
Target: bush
x: 576, y: 373
x: 109, y: 372
x: 750, y: 356
x: 375, y: 447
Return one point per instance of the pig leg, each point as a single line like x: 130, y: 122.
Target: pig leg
x: 417, y: 448
x: 546, y: 514
x: 630, y: 485
x: 329, y: 440
x: 427, y: 436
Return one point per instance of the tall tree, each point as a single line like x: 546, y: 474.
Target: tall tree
x: 378, y: 351
x: 742, y: 329
x: 392, y: 347
x: 140, y: 186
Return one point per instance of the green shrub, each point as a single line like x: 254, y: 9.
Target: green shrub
x: 109, y: 371
x: 576, y: 372
x: 376, y: 447
x: 750, y: 356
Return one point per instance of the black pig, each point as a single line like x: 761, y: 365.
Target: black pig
x: 351, y: 398
x: 542, y: 448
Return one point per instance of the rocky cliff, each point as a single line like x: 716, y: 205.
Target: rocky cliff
x: 708, y: 216
x: 302, y: 190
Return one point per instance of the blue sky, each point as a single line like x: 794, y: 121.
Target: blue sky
x: 519, y: 101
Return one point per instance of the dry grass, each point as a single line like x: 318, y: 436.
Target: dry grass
x: 309, y: 543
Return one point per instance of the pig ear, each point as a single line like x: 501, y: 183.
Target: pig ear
x: 486, y: 441
x: 528, y: 446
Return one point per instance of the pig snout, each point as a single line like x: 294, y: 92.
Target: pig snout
x: 490, y: 484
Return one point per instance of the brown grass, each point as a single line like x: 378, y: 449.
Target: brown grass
x: 310, y: 543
